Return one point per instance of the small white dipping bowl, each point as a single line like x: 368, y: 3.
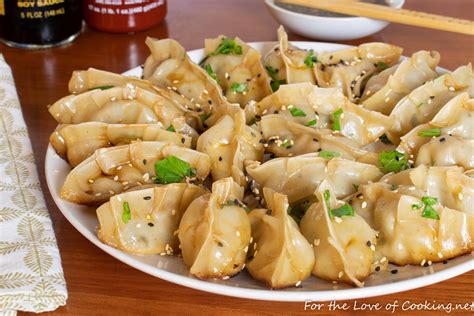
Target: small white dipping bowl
x: 328, y: 28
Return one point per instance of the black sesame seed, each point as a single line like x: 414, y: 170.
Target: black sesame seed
x: 275, y: 112
x: 359, y: 195
x: 220, y: 158
x: 250, y: 258
x: 315, y: 140
x: 204, y: 125
x: 183, y: 140
x: 151, y: 224
x: 330, y: 57
x: 144, y: 161
x: 147, y: 197
x: 288, y: 147
x: 369, y: 243
x: 261, y: 141
x: 426, y: 264
x: 377, y: 268
x: 209, y: 101
x: 432, y: 96
x: 220, y: 244
x: 235, y: 266
x: 259, y: 75
x: 248, y: 80
x: 394, y: 271
x: 258, y: 117
x: 442, y: 139
x: 445, y: 262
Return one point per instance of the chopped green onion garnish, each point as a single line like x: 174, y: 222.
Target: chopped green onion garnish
x: 310, y: 59
x: 228, y: 46
x: 327, y: 196
x: 336, y: 120
x: 417, y: 206
x: 297, y: 112
x: 433, y: 132
x: 381, y: 65
x: 204, y: 117
x: 102, y: 87
x: 311, y: 123
x: 172, y: 170
x: 275, y: 84
x: 384, y: 139
x: 430, y: 212
x: 239, y: 87
x: 393, y: 161
x: 126, y: 214
x: 327, y: 154
x: 272, y: 72
x: 211, y: 72
x: 345, y: 210
x: 429, y: 200
x: 171, y: 129
x: 286, y: 143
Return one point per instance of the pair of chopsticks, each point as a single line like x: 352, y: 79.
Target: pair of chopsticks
x: 381, y: 12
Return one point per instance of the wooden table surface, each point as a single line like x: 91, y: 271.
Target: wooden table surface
x: 98, y: 284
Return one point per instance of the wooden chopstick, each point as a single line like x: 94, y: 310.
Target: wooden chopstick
x: 381, y: 12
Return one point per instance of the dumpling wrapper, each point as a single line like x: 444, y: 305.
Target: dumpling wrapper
x: 454, y: 151
x: 128, y: 104
x: 293, y: 58
x: 279, y: 255
x: 79, y: 141
x: 410, y: 74
x: 349, y: 69
x: 449, y: 185
x: 298, y: 177
x: 342, y: 246
x: 214, y: 232
x: 405, y: 236
x: 315, y: 107
x: 456, y: 118
x: 169, y: 66
x: 245, y: 68
x: 229, y: 143
x: 84, y: 80
x: 113, y: 170
x: 155, y: 214
x: 286, y: 138
x: 422, y: 104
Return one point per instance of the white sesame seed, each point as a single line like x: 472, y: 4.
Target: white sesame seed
x: 251, y: 238
x: 237, y: 233
x: 246, y: 249
x: 90, y: 181
x: 146, y: 176
x: 205, y: 91
x: 372, y: 247
x: 148, y: 216
x: 116, y: 178
x: 460, y: 196
x: 364, y: 204
x: 423, y: 262
x: 387, y: 99
x: 337, y: 219
x: 175, y: 81
x: 298, y: 283
x: 98, y: 194
x: 226, y: 277
x: 173, y: 212
x: 125, y: 183
x: 111, y: 192
x: 440, y: 255
x: 119, y: 168
x: 138, y: 225
x: 383, y: 259
x: 340, y: 274
x: 412, y: 188
x: 317, y: 242
x: 254, y: 246
x: 452, y: 88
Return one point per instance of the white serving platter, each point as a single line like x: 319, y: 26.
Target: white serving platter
x: 172, y: 269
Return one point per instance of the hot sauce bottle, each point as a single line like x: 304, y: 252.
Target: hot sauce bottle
x: 123, y: 16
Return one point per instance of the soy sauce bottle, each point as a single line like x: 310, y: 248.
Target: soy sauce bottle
x: 39, y: 23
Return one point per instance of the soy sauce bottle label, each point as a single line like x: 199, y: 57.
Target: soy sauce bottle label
x: 39, y: 22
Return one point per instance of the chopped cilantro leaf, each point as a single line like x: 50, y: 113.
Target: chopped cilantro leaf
x: 172, y: 170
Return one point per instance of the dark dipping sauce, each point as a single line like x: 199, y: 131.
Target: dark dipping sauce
x: 39, y: 24
x: 317, y: 12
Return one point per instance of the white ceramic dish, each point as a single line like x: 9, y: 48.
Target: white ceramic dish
x: 172, y: 269
x: 328, y: 28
